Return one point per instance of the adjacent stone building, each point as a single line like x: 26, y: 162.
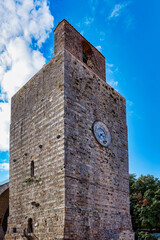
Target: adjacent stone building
x: 4, y: 208
x: 69, y: 150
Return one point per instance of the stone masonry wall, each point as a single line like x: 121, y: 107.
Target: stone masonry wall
x: 80, y: 189
x: 97, y: 186
x: 37, y: 134
x: 67, y: 37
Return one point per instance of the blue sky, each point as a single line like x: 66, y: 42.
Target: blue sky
x: 126, y: 32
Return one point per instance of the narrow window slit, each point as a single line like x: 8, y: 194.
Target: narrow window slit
x: 84, y: 58
x: 30, y: 225
x: 32, y: 168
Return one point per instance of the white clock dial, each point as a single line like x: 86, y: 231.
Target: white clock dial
x: 102, y: 133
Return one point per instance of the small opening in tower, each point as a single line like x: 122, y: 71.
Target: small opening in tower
x: 84, y: 58
x: 30, y: 225
x: 32, y: 168
x: 86, y: 53
x: 14, y: 230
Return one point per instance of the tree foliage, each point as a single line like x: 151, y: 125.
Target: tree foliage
x: 145, y: 205
x: 145, y: 236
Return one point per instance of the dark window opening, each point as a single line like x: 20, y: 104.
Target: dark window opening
x: 84, y: 58
x: 14, y: 230
x: 32, y: 169
x: 30, y: 225
x: 87, y: 53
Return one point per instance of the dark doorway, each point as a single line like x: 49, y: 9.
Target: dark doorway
x: 30, y: 225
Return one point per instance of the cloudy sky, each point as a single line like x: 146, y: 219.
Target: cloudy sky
x: 126, y: 32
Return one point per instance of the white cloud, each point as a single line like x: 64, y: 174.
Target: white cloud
x: 25, y: 63
x: 99, y: 48
x: 4, y: 160
x: 102, y: 36
x: 117, y: 10
x: 110, y: 65
x: 129, y: 103
x: 4, y: 166
x: 85, y: 22
x: 3, y: 97
x: 110, y: 75
x: 130, y: 111
x: 109, y: 71
x: 23, y: 24
x: 113, y: 83
x: 88, y: 20
x: 4, y: 126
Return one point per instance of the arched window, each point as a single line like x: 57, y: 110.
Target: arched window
x: 30, y: 225
x: 32, y: 168
x: 86, y: 53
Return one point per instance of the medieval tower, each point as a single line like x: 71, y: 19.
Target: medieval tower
x: 69, y: 150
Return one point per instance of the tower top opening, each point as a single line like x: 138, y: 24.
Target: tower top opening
x: 68, y: 38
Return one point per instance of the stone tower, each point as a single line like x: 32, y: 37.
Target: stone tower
x: 69, y: 150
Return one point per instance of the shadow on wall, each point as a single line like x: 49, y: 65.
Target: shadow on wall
x: 4, y: 209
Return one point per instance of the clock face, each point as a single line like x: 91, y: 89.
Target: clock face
x: 102, y: 133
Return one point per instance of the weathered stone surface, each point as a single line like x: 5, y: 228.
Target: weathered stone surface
x: 80, y: 189
x: 4, y: 204
x: 97, y: 190
x: 66, y: 37
x: 37, y: 119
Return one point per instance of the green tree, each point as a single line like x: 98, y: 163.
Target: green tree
x: 145, y: 236
x: 145, y: 204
